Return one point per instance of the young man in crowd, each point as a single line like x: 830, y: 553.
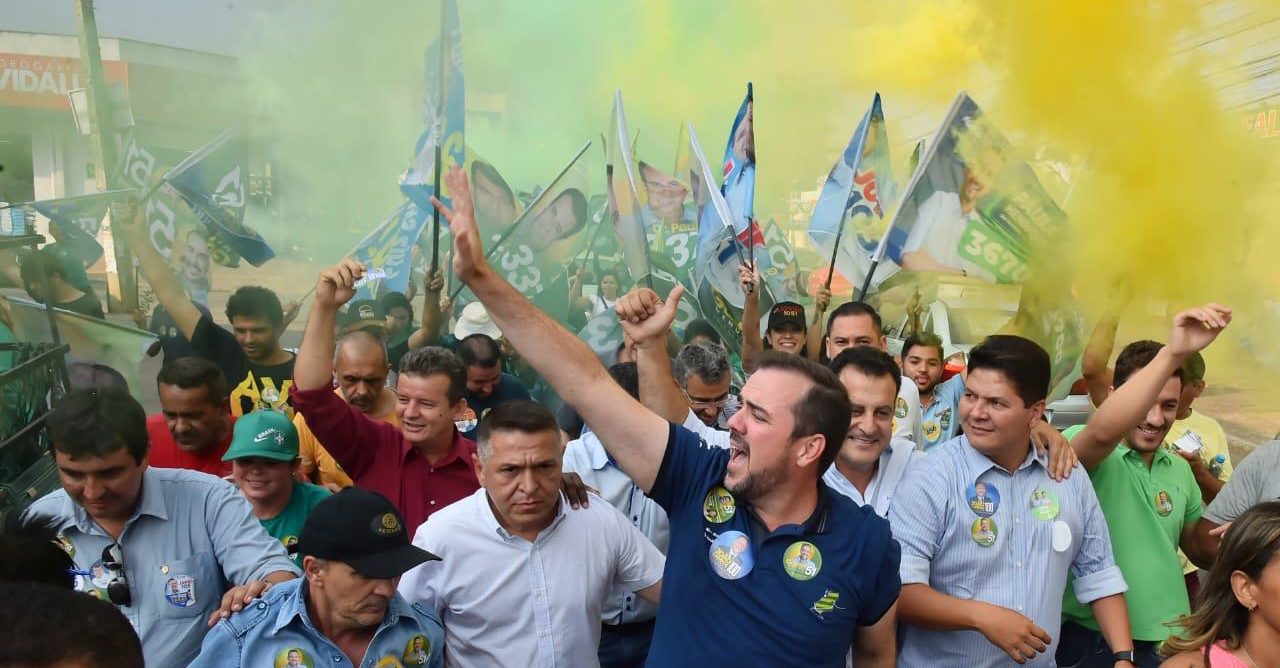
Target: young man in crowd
x: 344, y: 611
x: 984, y: 562
x: 175, y: 550
x: 735, y: 513
x: 487, y: 385
x: 1150, y: 496
x: 250, y: 356
x: 264, y: 465
x: 922, y: 357
x: 47, y: 280
x: 194, y: 426
x: 361, y: 368
x: 524, y: 579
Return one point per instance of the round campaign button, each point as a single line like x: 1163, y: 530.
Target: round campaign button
x: 984, y: 531
x: 983, y: 498
x: 719, y: 506
x: 731, y: 556
x: 1044, y: 505
x: 417, y: 651
x: 294, y: 657
x: 932, y: 431
x: 180, y: 591
x: 1164, y: 504
x: 802, y: 560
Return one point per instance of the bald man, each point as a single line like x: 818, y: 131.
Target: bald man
x: 361, y: 367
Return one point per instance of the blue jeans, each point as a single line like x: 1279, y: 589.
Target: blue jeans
x: 625, y: 645
x: 1082, y: 647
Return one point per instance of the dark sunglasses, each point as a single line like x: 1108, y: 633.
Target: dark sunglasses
x: 118, y: 588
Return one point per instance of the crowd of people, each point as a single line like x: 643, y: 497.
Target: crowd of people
x: 390, y: 495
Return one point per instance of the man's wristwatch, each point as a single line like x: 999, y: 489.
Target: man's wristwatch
x: 1127, y: 655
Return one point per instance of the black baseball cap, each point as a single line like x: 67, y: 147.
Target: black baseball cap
x: 361, y: 314
x: 786, y: 313
x: 364, y: 530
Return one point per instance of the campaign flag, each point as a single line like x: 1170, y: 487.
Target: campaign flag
x: 739, y: 172
x: 973, y: 208
x: 444, y: 105
x: 78, y: 220
x: 625, y: 207
x: 389, y: 249
x: 212, y: 181
x: 852, y: 196
x: 163, y: 210
x: 91, y: 339
x: 717, y: 250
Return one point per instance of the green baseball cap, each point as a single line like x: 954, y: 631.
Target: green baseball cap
x: 267, y: 434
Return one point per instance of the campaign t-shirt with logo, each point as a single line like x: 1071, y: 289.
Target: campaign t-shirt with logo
x: 253, y: 386
x: 172, y: 342
x: 286, y: 526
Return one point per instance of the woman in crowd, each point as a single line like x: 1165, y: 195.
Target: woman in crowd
x: 1236, y: 623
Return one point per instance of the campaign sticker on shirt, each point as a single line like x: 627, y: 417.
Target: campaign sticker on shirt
x: 944, y: 419
x: 417, y: 651
x: 467, y: 421
x: 1044, y: 505
x: 67, y: 546
x: 983, y: 498
x: 392, y: 662
x: 900, y: 410
x: 731, y: 556
x: 180, y: 591
x: 719, y: 506
x: 1164, y: 504
x: 99, y: 575
x: 802, y: 560
x: 293, y: 657
x: 932, y: 431
x: 984, y: 531
x: 1061, y: 536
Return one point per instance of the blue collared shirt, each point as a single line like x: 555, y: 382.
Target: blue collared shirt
x: 266, y: 632
x: 793, y: 596
x: 940, y: 421
x: 192, y: 537
x: 998, y: 547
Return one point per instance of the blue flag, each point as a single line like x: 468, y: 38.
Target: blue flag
x: 739, y: 186
x: 717, y: 251
x: 389, y: 250
x: 212, y: 181
x: 78, y: 219
x: 444, y: 104
x: 852, y: 197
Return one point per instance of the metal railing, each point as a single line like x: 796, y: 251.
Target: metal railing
x: 34, y: 383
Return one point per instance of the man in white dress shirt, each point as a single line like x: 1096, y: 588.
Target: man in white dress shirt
x: 523, y: 579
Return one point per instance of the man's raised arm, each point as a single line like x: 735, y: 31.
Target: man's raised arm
x: 633, y: 436
x: 644, y: 320
x: 165, y: 285
x: 335, y: 287
x: 1193, y: 330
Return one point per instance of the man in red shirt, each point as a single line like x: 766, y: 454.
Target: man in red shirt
x: 193, y: 429
x: 424, y: 464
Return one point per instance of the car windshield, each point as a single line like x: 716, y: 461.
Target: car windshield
x: 969, y: 326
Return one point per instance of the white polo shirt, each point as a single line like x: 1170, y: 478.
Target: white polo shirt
x: 507, y: 602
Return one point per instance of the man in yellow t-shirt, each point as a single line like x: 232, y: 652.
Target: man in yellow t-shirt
x: 1192, y: 430
x: 361, y: 368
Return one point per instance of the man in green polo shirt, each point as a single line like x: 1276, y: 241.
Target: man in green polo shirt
x: 1148, y: 495
x: 264, y: 464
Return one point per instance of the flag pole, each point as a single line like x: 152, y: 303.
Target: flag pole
x: 529, y: 209
x: 831, y: 269
x: 439, y: 132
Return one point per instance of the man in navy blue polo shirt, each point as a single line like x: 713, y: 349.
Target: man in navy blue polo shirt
x: 765, y: 561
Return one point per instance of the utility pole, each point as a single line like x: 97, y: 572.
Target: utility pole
x: 122, y: 288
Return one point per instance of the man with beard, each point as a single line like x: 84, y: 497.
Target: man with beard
x: 939, y: 401
x: 983, y: 569
x: 721, y: 605
x: 193, y: 428
x: 361, y: 369
x: 1150, y: 496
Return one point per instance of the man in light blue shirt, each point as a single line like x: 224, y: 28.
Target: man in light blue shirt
x: 871, y: 462
x: 939, y: 400
x: 345, y: 612
x: 164, y: 545
x: 983, y: 577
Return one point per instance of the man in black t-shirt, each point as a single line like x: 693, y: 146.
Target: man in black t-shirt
x: 46, y: 279
x: 258, y: 369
